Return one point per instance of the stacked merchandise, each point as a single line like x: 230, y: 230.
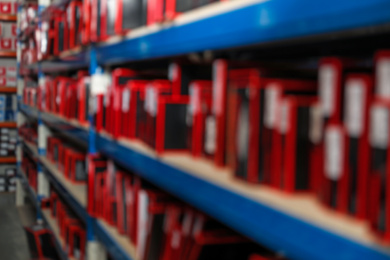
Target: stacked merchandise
x: 71, y: 230
x: 7, y: 178
x: 159, y: 226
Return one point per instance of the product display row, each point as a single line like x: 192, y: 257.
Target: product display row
x: 284, y: 129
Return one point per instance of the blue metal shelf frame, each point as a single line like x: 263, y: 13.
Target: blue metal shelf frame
x: 283, y: 233
x: 260, y: 22
x: 113, y: 248
x: 36, y: 203
x: 71, y: 131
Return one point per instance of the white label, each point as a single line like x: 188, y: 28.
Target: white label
x: 379, y: 126
x: 270, y: 105
x: 2, y: 188
x: 3, y: 152
x: 4, y: 145
x: 176, y: 237
x: 194, y: 106
x: 316, y: 124
x: 4, y: 130
x: 242, y: 138
x: 355, y: 93
x: 172, y: 71
x: 187, y: 224
x: 383, y: 77
x: 284, y: 117
x: 143, y: 223
x: 10, y: 172
x: 2, y: 180
x: 218, y: 86
x: 11, y: 188
x: 99, y: 83
x: 210, y: 135
x: 11, y: 147
x: 151, y: 101
x: 327, y: 85
x: 198, y: 225
x: 126, y: 100
x: 334, y: 152
x: 4, y: 138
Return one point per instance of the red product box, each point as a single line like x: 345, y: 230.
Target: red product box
x: 83, y: 93
x: 151, y: 214
x: 123, y: 180
x: 67, y: 220
x: 292, y: 145
x: 166, y: 128
x: 75, y: 23
x: 96, y: 21
x: 8, y: 7
x: 41, y: 243
x: 251, y: 121
x: 76, y: 241
x: 130, y: 14
x: 177, y: 227
x: 53, y: 149
x: 358, y: 96
x: 86, y: 21
x: 62, y: 148
x: 54, y: 200
x: 379, y: 172
x: 220, y: 73
x: 61, y: 42
x: 332, y: 189
x: 75, y: 166
x: 132, y: 123
x: 114, y: 99
x: 64, y: 84
x: 48, y: 35
x: 382, y: 70
x: 96, y: 166
x: 200, y: 109
x: 155, y: 12
x: 71, y: 101
x: 100, y: 183
x: 109, y: 191
x: 132, y: 191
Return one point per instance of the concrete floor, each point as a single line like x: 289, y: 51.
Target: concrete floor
x: 13, y: 243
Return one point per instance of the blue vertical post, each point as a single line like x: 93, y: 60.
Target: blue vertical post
x: 93, y: 68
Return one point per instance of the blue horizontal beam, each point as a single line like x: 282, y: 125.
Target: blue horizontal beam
x: 77, y: 133
x: 262, y: 22
x: 272, y: 228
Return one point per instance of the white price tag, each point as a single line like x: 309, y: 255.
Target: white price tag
x: 355, y: 94
x: 99, y: 83
x: 284, y: 117
x: 316, y: 124
x: 173, y: 71
x: 142, y: 226
x: 3, y: 152
x: 194, y: 104
x: 126, y: 96
x: 210, y: 135
x: 383, y: 77
x: 151, y: 101
x: 242, y: 138
x: 334, y: 153
x: 271, y: 105
x: 379, y: 126
x: 219, y: 68
x: 327, y: 85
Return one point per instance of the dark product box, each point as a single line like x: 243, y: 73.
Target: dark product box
x: 41, y: 242
x: 131, y: 15
x: 75, y: 23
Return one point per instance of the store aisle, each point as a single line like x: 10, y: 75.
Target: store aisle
x: 13, y: 243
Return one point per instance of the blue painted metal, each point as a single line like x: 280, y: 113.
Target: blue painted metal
x: 283, y: 233
x: 267, y: 21
x: 74, y: 132
x: 114, y: 250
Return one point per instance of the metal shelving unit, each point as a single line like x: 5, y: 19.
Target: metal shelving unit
x: 215, y: 27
